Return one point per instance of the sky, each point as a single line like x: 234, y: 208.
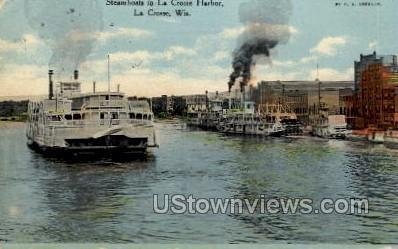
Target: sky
x: 151, y: 56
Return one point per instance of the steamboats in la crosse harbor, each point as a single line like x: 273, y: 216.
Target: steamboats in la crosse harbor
x: 89, y: 123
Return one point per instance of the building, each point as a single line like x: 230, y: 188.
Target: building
x: 196, y: 102
x: 304, y: 97
x: 161, y: 105
x: 376, y: 92
x: 179, y: 105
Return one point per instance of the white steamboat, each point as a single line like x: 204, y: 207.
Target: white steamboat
x: 327, y: 125
x: 89, y: 123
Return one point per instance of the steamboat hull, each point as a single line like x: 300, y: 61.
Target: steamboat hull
x: 108, y: 146
x: 127, y: 140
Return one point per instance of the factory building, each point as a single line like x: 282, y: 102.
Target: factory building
x: 376, y: 92
x: 304, y: 97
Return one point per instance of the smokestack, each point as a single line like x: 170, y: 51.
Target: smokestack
x: 94, y: 86
x: 50, y: 87
x: 118, y: 88
x: 76, y: 74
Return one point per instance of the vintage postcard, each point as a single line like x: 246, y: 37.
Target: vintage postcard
x: 198, y: 124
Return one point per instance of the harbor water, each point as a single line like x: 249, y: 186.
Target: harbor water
x: 53, y: 200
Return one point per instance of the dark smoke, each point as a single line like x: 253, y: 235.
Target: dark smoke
x: 266, y: 26
x: 69, y: 27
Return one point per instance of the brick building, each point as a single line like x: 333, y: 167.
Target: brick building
x: 376, y: 96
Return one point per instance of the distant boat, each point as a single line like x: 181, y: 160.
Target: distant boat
x: 328, y: 125
x: 247, y: 121
x: 331, y: 126
x: 391, y: 139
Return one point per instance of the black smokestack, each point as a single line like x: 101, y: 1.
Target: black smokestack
x: 266, y: 26
x: 76, y: 74
x: 51, y: 84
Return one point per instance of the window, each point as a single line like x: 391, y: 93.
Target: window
x: 77, y: 116
x: 55, y: 118
x: 94, y: 115
x: 68, y: 117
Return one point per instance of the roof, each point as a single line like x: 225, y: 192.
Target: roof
x: 79, y: 95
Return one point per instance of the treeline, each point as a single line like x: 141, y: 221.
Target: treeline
x: 13, y: 108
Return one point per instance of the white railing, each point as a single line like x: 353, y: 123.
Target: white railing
x: 105, y: 103
x: 103, y: 122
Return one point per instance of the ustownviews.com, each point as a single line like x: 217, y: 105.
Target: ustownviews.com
x: 182, y: 204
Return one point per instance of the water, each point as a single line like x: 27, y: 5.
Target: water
x: 48, y: 200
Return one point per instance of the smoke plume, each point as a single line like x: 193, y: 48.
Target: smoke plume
x: 2, y: 2
x: 266, y: 26
x: 69, y: 27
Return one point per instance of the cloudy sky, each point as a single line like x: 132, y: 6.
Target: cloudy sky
x: 153, y: 56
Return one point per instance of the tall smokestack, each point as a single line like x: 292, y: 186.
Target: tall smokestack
x: 94, y: 83
x: 76, y: 74
x: 51, y: 84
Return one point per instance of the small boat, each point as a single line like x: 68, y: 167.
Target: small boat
x: 391, y: 139
x: 375, y: 135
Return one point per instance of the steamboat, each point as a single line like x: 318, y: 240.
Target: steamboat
x: 247, y: 121
x: 70, y: 121
x: 329, y: 126
x: 244, y: 118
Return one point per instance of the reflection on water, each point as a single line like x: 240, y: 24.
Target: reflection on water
x: 50, y: 200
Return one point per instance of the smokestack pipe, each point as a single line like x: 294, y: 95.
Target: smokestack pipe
x: 51, y: 85
x: 94, y: 86
x: 118, y: 88
x: 76, y: 74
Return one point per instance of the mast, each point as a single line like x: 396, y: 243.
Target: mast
x: 319, y: 94
x: 261, y: 97
x: 109, y: 73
